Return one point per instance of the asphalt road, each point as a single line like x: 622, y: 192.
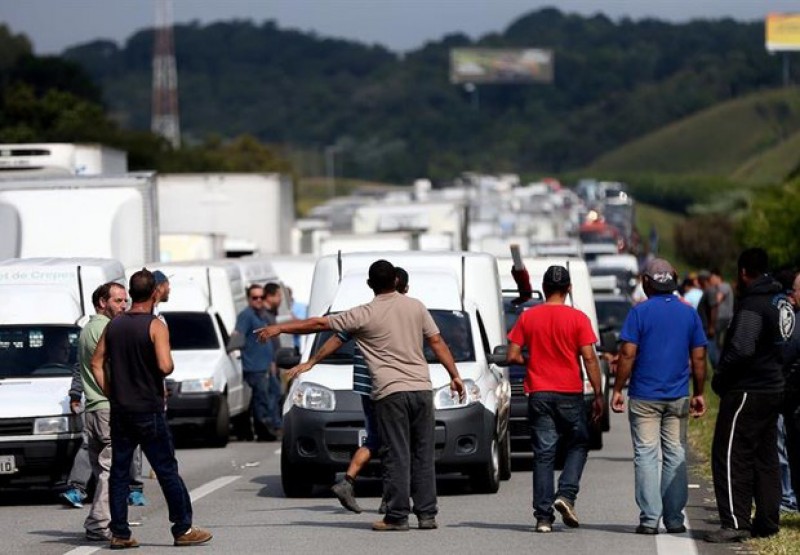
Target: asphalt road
x: 237, y: 495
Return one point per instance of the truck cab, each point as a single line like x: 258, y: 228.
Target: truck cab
x: 323, y: 420
x: 43, y: 304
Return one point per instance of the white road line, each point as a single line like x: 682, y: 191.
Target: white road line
x: 676, y: 544
x: 196, y: 494
x: 211, y: 487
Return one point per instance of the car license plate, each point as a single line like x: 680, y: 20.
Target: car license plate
x: 7, y: 464
x: 362, y: 437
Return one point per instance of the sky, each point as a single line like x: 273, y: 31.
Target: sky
x: 400, y: 25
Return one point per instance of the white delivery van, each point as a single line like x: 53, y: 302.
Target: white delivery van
x: 206, y: 389
x: 43, y: 303
x: 582, y: 298
x: 323, y: 419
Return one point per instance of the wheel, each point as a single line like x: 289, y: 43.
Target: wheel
x: 295, y: 479
x: 595, y: 436
x: 505, y: 456
x: 221, y: 428
x: 486, y: 479
x: 606, y: 420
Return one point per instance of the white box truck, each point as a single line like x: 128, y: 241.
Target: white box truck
x: 43, y: 304
x: 96, y: 216
x: 254, y: 212
x: 206, y: 389
x: 60, y: 159
x: 441, y: 217
x: 323, y: 419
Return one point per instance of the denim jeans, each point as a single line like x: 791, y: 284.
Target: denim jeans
x: 274, y: 394
x: 407, y: 428
x: 788, y: 497
x: 660, y: 426
x: 151, y: 431
x: 554, y: 418
x: 259, y: 402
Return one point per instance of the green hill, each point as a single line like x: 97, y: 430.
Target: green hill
x: 753, y: 140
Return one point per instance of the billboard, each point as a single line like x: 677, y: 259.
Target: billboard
x: 783, y: 32
x: 501, y: 65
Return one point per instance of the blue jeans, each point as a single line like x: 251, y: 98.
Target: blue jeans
x: 788, y: 497
x: 555, y: 417
x: 259, y: 402
x: 660, y: 425
x: 151, y: 431
x: 274, y: 394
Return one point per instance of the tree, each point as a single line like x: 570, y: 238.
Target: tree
x: 773, y: 223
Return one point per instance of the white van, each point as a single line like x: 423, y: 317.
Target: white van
x: 323, y: 419
x: 206, y: 389
x: 43, y: 304
x: 582, y: 298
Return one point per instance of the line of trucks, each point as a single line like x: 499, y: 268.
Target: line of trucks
x: 111, y: 225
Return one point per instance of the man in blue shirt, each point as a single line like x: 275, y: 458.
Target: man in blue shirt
x: 660, y: 337
x: 257, y: 358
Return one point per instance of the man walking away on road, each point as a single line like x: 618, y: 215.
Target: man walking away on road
x: 659, y: 339
x: 390, y: 330
x: 257, y: 359
x: 557, y: 336
x: 135, y: 349
x: 362, y: 384
x: 109, y: 300
x: 791, y: 402
x: 750, y: 382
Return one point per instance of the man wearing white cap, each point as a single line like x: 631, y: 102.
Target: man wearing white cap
x: 661, y: 336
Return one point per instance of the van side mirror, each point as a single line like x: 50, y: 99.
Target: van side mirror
x: 608, y: 342
x: 498, y: 355
x: 235, y: 343
x: 287, y: 357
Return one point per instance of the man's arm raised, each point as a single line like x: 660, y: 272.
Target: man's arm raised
x: 301, y: 327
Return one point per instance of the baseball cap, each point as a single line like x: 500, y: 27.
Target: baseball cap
x: 160, y: 277
x: 662, y: 275
x: 557, y: 276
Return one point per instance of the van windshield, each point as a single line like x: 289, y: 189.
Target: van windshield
x: 38, y: 351
x: 454, y: 326
x: 191, y: 331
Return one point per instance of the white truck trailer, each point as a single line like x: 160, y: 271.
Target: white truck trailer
x: 254, y: 212
x: 60, y: 159
x: 90, y: 216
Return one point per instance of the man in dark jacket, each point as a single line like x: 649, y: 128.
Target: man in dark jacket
x: 750, y: 382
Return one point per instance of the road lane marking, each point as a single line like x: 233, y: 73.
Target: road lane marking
x: 676, y: 544
x: 211, y: 487
x: 195, y: 495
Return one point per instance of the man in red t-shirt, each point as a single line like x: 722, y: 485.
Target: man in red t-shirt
x: 556, y: 336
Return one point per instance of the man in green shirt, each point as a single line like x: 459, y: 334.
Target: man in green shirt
x: 109, y: 300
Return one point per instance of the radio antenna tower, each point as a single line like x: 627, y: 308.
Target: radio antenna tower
x: 165, y: 121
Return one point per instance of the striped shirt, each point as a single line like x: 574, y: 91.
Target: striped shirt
x: 362, y: 382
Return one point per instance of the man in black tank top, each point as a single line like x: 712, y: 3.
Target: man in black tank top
x: 130, y: 363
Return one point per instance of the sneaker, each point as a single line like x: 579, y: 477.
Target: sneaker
x: 567, y: 511
x: 344, y: 492
x: 194, y: 536
x: 137, y: 499
x: 383, y: 526
x: 676, y: 529
x: 98, y: 536
x: 123, y: 543
x: 74, y: 497
x: 544, y: 526
x: 383, y: 508
x: 428, y: 524
x: 727, y: 535
x: 648, y: 530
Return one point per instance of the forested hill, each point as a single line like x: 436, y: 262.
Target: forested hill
x: 398, y: 117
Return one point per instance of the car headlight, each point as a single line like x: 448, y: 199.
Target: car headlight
x: 56, y: 425
x: 197, y: 386
x: 312, y: 396
x: 445, y: 398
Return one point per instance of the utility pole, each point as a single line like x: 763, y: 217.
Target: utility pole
x: 164, y: 120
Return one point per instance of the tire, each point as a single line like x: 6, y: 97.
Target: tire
x: 606, y: 420
x: 487, y: 478
x: 295, y: 479
x: 505, y: 456
x: 221, y: 427
x: 595, y: 436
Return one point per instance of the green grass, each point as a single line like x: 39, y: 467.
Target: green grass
x: 741, y: 137
x: 665, y: 222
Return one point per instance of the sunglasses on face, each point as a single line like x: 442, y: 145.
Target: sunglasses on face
x: 254, y: 298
